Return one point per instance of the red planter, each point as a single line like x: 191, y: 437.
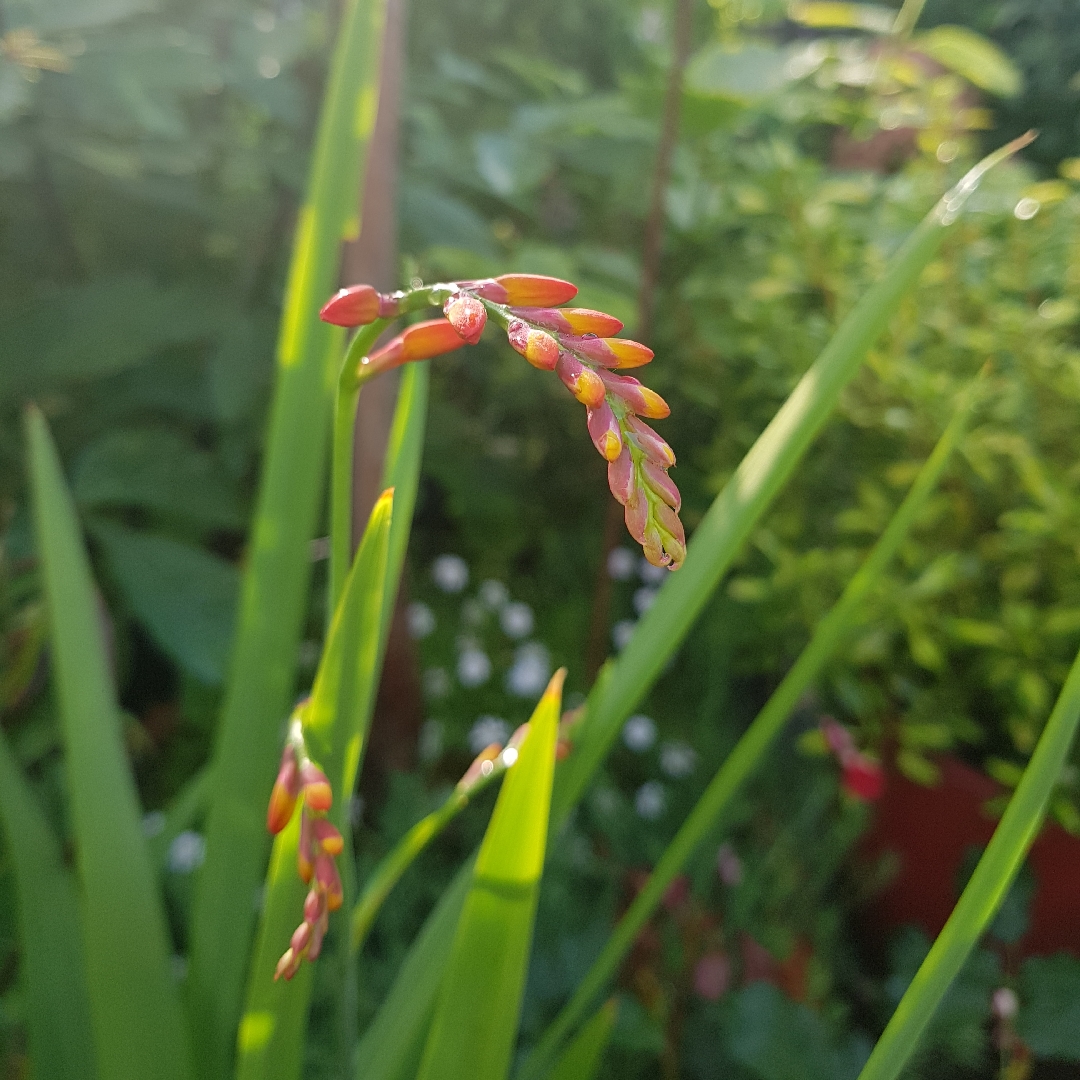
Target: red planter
x: 930, y: 828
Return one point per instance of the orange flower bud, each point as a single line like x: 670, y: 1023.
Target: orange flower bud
x: 421, y: 341
x: 357, y: 305
x: 620, y: 476
x: 610, y: 352
x: 658, y: 481
x: 316, y: 788
x: 466, y: 315
x: 305, y: 849
x: 649, y: 443
x: 604, y: 432
x: 584, y: 383
x: 287, y: 966
x: 524, y: 290
x: 284, y: 793
x: 538, y: 347
x: 641, y: 399
x: 328, y: 881
x: 571, y: 320
x: 327, y: 837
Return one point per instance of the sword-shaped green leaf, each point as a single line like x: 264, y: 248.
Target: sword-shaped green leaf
x: 474, y: 1027
x: 50, y: 938
x: 581, y: 1058
x: 274, y: 590
x: 138, y: 1022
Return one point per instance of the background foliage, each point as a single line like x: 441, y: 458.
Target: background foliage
x: 151, y: 158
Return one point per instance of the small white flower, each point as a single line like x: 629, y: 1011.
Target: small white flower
x: 473, y: 667
x: 186, y: 852
x: 650, y: 800
x: 639, y: 733
x: 1004, y: 1003
x: 643, y: 599
x: 430, y: 743
x: 651, y: 575
x: 677, y: 759
x: 450, y: 573
x: 516, y: 619
x: 436, y: 683
x: 420, y: 619
x: 622, y: 632
x: 487, y: 730
x: 153, y: 823
x: 620, y: 564
x: 530, y: 672
x: 493, y: 594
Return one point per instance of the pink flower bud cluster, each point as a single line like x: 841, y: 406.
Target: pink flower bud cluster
x: 580, y: 346
x: 300, y: 780
x: 862, y: 776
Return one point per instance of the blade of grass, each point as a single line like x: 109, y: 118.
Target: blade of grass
x: 988, y: 886
x: 138, y: 1022
x: 272, y: 602
x: 50, y: 941
x: 752, y: 747
x: 581, y: 1058
x: 732, y: 516
x: 474, y: 1027
x: 271, y: 1037
x: 756, y: 482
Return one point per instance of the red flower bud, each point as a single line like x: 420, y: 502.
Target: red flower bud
x: 466, y: 315
x: 584, y: 383
x: 863, y: 778
x: 524, y: 290
x: 328, y: 881
x: 538, y: 347
x: 658, y: 481
x: 421, y: 341
x: 284, y: 794
x: 641, y: 399
x: 287, y: 966
x: 649, y: 443
x: 357, y: 305
x: 837, y: 738
x: 637, y: 515
x: 301, y: 938
x: 610, y: 352
x: 327, y: 837
x: 316, y: 788
x: 604, y: 431
x: 318, y: 932
x: 314, y: 906
x: 620, y: 476
x: 571, y: 320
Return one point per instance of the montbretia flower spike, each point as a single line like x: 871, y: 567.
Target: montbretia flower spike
x: 580, y: 346
x: 301, y: 781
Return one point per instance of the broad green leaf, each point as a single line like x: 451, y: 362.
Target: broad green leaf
x: 156, y: 469
x: 270, y: 1043
x: 1049, y: 1016
x: 139, y: 1031
x: 974, y: 57
x: 50, y: 940
x: 826, y: 15
x: 581, y: 1058
x: 274, y: 590
x: 474, y: 1026
x: 985, y: 891
x: 749, y: 753
x: 715, y: 543
x: 183, y: 595
x: 746, y: 74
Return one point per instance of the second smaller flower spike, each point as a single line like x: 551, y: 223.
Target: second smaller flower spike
x: 571, y: 320
x: 466, y: 315
x: 524, y: 290
x: 357, y: 305
x: 538, y: 347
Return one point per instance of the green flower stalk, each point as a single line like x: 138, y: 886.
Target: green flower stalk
x: 578, y: 344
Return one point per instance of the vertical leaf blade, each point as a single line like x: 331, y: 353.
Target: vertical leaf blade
x: 476, y: 1016
x: 138, y: 1023
x: 272, y: 598
x: 581, y: 1058
x: 271, y: 1036
x: 51, y: 950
